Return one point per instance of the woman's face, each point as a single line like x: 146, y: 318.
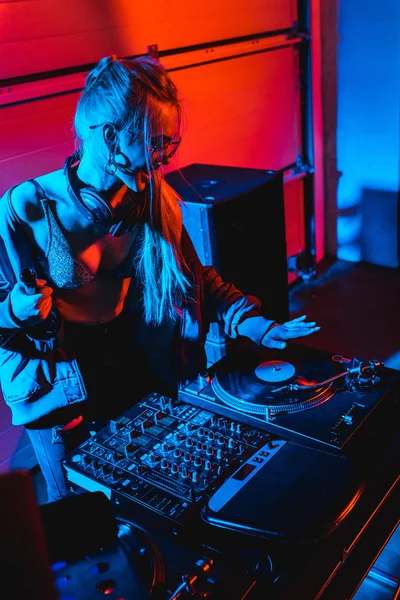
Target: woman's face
x: 130, y: 152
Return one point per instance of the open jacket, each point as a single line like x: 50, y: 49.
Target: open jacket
x: 38, y: 369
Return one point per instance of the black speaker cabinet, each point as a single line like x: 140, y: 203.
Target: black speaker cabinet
x: 236, y: 220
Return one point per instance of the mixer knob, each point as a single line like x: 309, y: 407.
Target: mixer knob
x: 238, y: 428
x: 164, y: 464
x: 106, y: 468
x: 164, y: 447
x: 197, y: 461
x: 152, y: 457
x: 213, y: 421
x: 219, y: 454
x: 231, y: 443
x: 129, y: 448
x: 177, y: 437
x: 232, y: 427
x: 155, y: 417
x: 201, y: 432
x: 195, y: 477
x: 187, y: 457
x: 203, y: 378
x: 174, y: 469
x: 220, y: 440
x: 162, y: 403
x: 189, y: 427
x: 177, y: 453
x: 207, y: 465
x: 171, y: 407
x: 221, y: 422
x: 240, y: 449
x: 199, y: 446
x: 189, y: 442
x: 210, y: 436
x: 115, y: 426
x: 184, y: 472
x: 209, y: 451
x: 219, y: 470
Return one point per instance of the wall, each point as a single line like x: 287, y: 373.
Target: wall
x: 43, y: 35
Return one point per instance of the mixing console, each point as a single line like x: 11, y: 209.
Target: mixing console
x: 166, y: 455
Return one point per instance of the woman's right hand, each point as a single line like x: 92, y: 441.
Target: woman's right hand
x: 31, y: 309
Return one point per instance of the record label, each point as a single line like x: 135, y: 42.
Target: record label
x: 275, y: 370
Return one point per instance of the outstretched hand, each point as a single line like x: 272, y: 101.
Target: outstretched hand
x: 279, y: 334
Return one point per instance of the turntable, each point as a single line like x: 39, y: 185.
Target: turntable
x: 304, y: 394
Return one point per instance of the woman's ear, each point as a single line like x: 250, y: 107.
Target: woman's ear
x: 109, y: 135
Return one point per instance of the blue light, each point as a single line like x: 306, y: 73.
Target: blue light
x: 368, y: 125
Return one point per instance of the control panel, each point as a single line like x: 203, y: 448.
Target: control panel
x: 165, y: 455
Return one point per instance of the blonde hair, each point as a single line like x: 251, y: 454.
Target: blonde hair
x: 131, y: 95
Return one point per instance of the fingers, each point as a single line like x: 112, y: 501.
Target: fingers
x: 310, y: 331
x: 305, y: 328
x: 289, y: 334
x: 41, y: 294
x: 44, y: 300
x: 273, y: 343
x: 299, y: 322
x: 295, y: 321
x: 45, y: 291
x: 300, y: 326
x: 45, y: 308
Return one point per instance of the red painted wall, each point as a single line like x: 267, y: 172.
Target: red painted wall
x: 44, y: 35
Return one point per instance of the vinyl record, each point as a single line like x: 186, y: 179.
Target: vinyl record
x: 274, y: 385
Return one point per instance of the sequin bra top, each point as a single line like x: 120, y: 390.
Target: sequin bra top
x: 62, y: 266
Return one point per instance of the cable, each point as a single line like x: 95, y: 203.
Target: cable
x: 191, y: 186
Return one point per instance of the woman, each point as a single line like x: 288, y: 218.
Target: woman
x: 121, y: 300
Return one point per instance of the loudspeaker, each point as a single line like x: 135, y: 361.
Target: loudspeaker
x: 236, y: 220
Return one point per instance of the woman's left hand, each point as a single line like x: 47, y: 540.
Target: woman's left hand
x: 279, y: 334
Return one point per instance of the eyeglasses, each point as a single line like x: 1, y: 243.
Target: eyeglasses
x: 162, y: 147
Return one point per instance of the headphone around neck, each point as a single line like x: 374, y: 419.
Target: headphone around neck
x: 97, y: 210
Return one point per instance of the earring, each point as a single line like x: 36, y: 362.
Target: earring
x: 111, y: 167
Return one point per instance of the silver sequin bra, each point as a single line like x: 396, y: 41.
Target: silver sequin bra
x: 61, y: 265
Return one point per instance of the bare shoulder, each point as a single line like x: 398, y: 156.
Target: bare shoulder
x: 25, y: 202
x: 26, y: 197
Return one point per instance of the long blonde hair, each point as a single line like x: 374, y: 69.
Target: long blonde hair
x: 131, y: 94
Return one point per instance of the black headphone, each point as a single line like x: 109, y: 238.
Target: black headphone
x: 97, y: 210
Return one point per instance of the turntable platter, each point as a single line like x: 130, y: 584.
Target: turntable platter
x: 273, y: 386
x: 275, y: 370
